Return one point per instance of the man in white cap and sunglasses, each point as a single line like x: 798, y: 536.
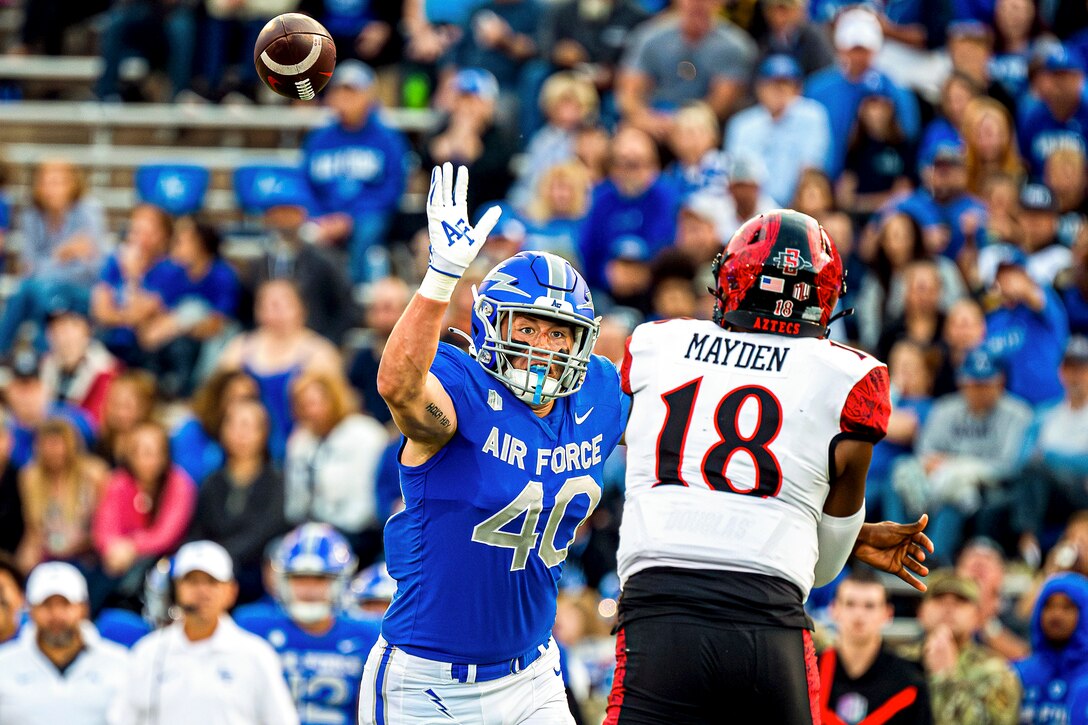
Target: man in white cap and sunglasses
x: 203, y: 668
x: 58, y: 670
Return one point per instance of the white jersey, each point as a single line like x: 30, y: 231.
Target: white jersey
x: 729, y: 444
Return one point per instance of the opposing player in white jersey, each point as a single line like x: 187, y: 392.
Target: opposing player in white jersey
x: 748, y: 445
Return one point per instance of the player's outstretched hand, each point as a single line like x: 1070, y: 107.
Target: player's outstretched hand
x: 896, y: 548
x: 454, y: 242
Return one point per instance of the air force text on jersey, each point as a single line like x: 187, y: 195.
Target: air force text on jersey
x: 736, y: 353
x: 561, y: 459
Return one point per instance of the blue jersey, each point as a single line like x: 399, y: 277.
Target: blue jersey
x: 1041, y: 134
x: 322, y: 671
x: 479, y: 548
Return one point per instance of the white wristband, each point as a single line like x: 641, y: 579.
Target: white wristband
x: 836, y: 536
x: 437, y: 286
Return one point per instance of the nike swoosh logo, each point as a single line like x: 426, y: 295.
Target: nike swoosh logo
x: 578, y: 419
x: 557, y: 672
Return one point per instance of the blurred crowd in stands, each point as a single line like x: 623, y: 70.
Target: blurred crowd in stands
x: 162, y: 390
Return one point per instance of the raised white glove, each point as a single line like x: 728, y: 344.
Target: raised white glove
x: 454, y: 242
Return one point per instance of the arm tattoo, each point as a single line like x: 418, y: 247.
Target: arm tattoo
x: 438, y: 415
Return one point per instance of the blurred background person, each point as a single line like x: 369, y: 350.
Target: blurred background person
x: 694, y: 141
x: 64, y: 232
x: 690, y: 55
x: 12, y: 587
x: 77, y: 367
x: 240, y: 505
x: 176, y: 339
x: 317, y: 642
x: 60, y: 488
x: 967, y: 683
x: 143, y: 515
x: 569, y: 102
x: 388, y: 299
x: 204, y: 640
x: 1055, y: 676
x: 859, y: 677
x: 788, y: 132
x: 194, y: 440
x: 59, y: 669
x: 278, y: 350
x: 356, y: 167
x: 130, y: 400
x: 332, y: 460
x: 636, y: 200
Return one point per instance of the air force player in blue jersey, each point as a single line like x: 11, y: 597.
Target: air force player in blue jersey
x: 322, y: 649
x: 502, y: 461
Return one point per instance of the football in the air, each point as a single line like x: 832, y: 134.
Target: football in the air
x: 295, y: 56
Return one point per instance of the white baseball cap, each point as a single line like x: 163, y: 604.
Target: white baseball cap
x: 55, y: 578
x: 858, y: 28
x: 206, y: 556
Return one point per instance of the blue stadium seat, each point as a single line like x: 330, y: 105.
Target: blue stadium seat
x: 177, y: 188
x: 261, y: 186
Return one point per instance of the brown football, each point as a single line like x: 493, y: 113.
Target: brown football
x: 295, y: 56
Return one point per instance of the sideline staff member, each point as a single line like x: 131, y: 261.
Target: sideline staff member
x: 58, y: 670
x: 204, y: 668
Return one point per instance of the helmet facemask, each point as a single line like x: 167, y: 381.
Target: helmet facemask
x: 548, y: 374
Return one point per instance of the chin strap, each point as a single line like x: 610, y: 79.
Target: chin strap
x: 468, y: 339
x: 839, y: 315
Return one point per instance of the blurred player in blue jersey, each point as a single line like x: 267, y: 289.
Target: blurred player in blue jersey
x: 370, y: 592
x: 502, y: 459
x: 321, y: 648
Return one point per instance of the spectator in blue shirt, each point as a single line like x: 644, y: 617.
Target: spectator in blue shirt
x: 1028, y: 333
x: 356, y: 169
x: 788, y: 132
x: 694, y: 140
x: 32, y: 403
x: 970, y: 48
x: 1016, y: 22
x: 634, y: 201
x: 1055, y: 676
x: 1059, y: 116
x: 1072, y: 287
x: 138, y: 281
x: 840, y: 88
x: 950, y: 217
x: 174, y: 339
x: 957, y: 92
x: 569, y: 102
x: 555, y: 216
x: 194, y: 443
x: 500, y: 39
x: 63, y: 237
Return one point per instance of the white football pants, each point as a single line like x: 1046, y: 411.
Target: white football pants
x: 400, y: 688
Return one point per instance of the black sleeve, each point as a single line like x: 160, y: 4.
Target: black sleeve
x: 11, y: 510
x: 262, y: 521
x: 203, y: 525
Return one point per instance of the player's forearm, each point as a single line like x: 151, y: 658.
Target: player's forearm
x: 410, y: 351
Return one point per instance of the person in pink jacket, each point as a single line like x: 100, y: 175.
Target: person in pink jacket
x: 143, y: 515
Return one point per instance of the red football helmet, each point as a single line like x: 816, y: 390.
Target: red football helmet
x: 779, y: 273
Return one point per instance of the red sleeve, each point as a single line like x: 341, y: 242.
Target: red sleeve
x: 95, y: 399
x: 865, y: 413
x: 625, y: 368
x: 107, y: 517
x: 175, y: 512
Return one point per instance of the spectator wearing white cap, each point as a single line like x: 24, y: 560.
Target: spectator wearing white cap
x: 203, y: 668
x: 58, y: 670
x: 788, y: 132
x: 840, y: 88
x: 743, y: 196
